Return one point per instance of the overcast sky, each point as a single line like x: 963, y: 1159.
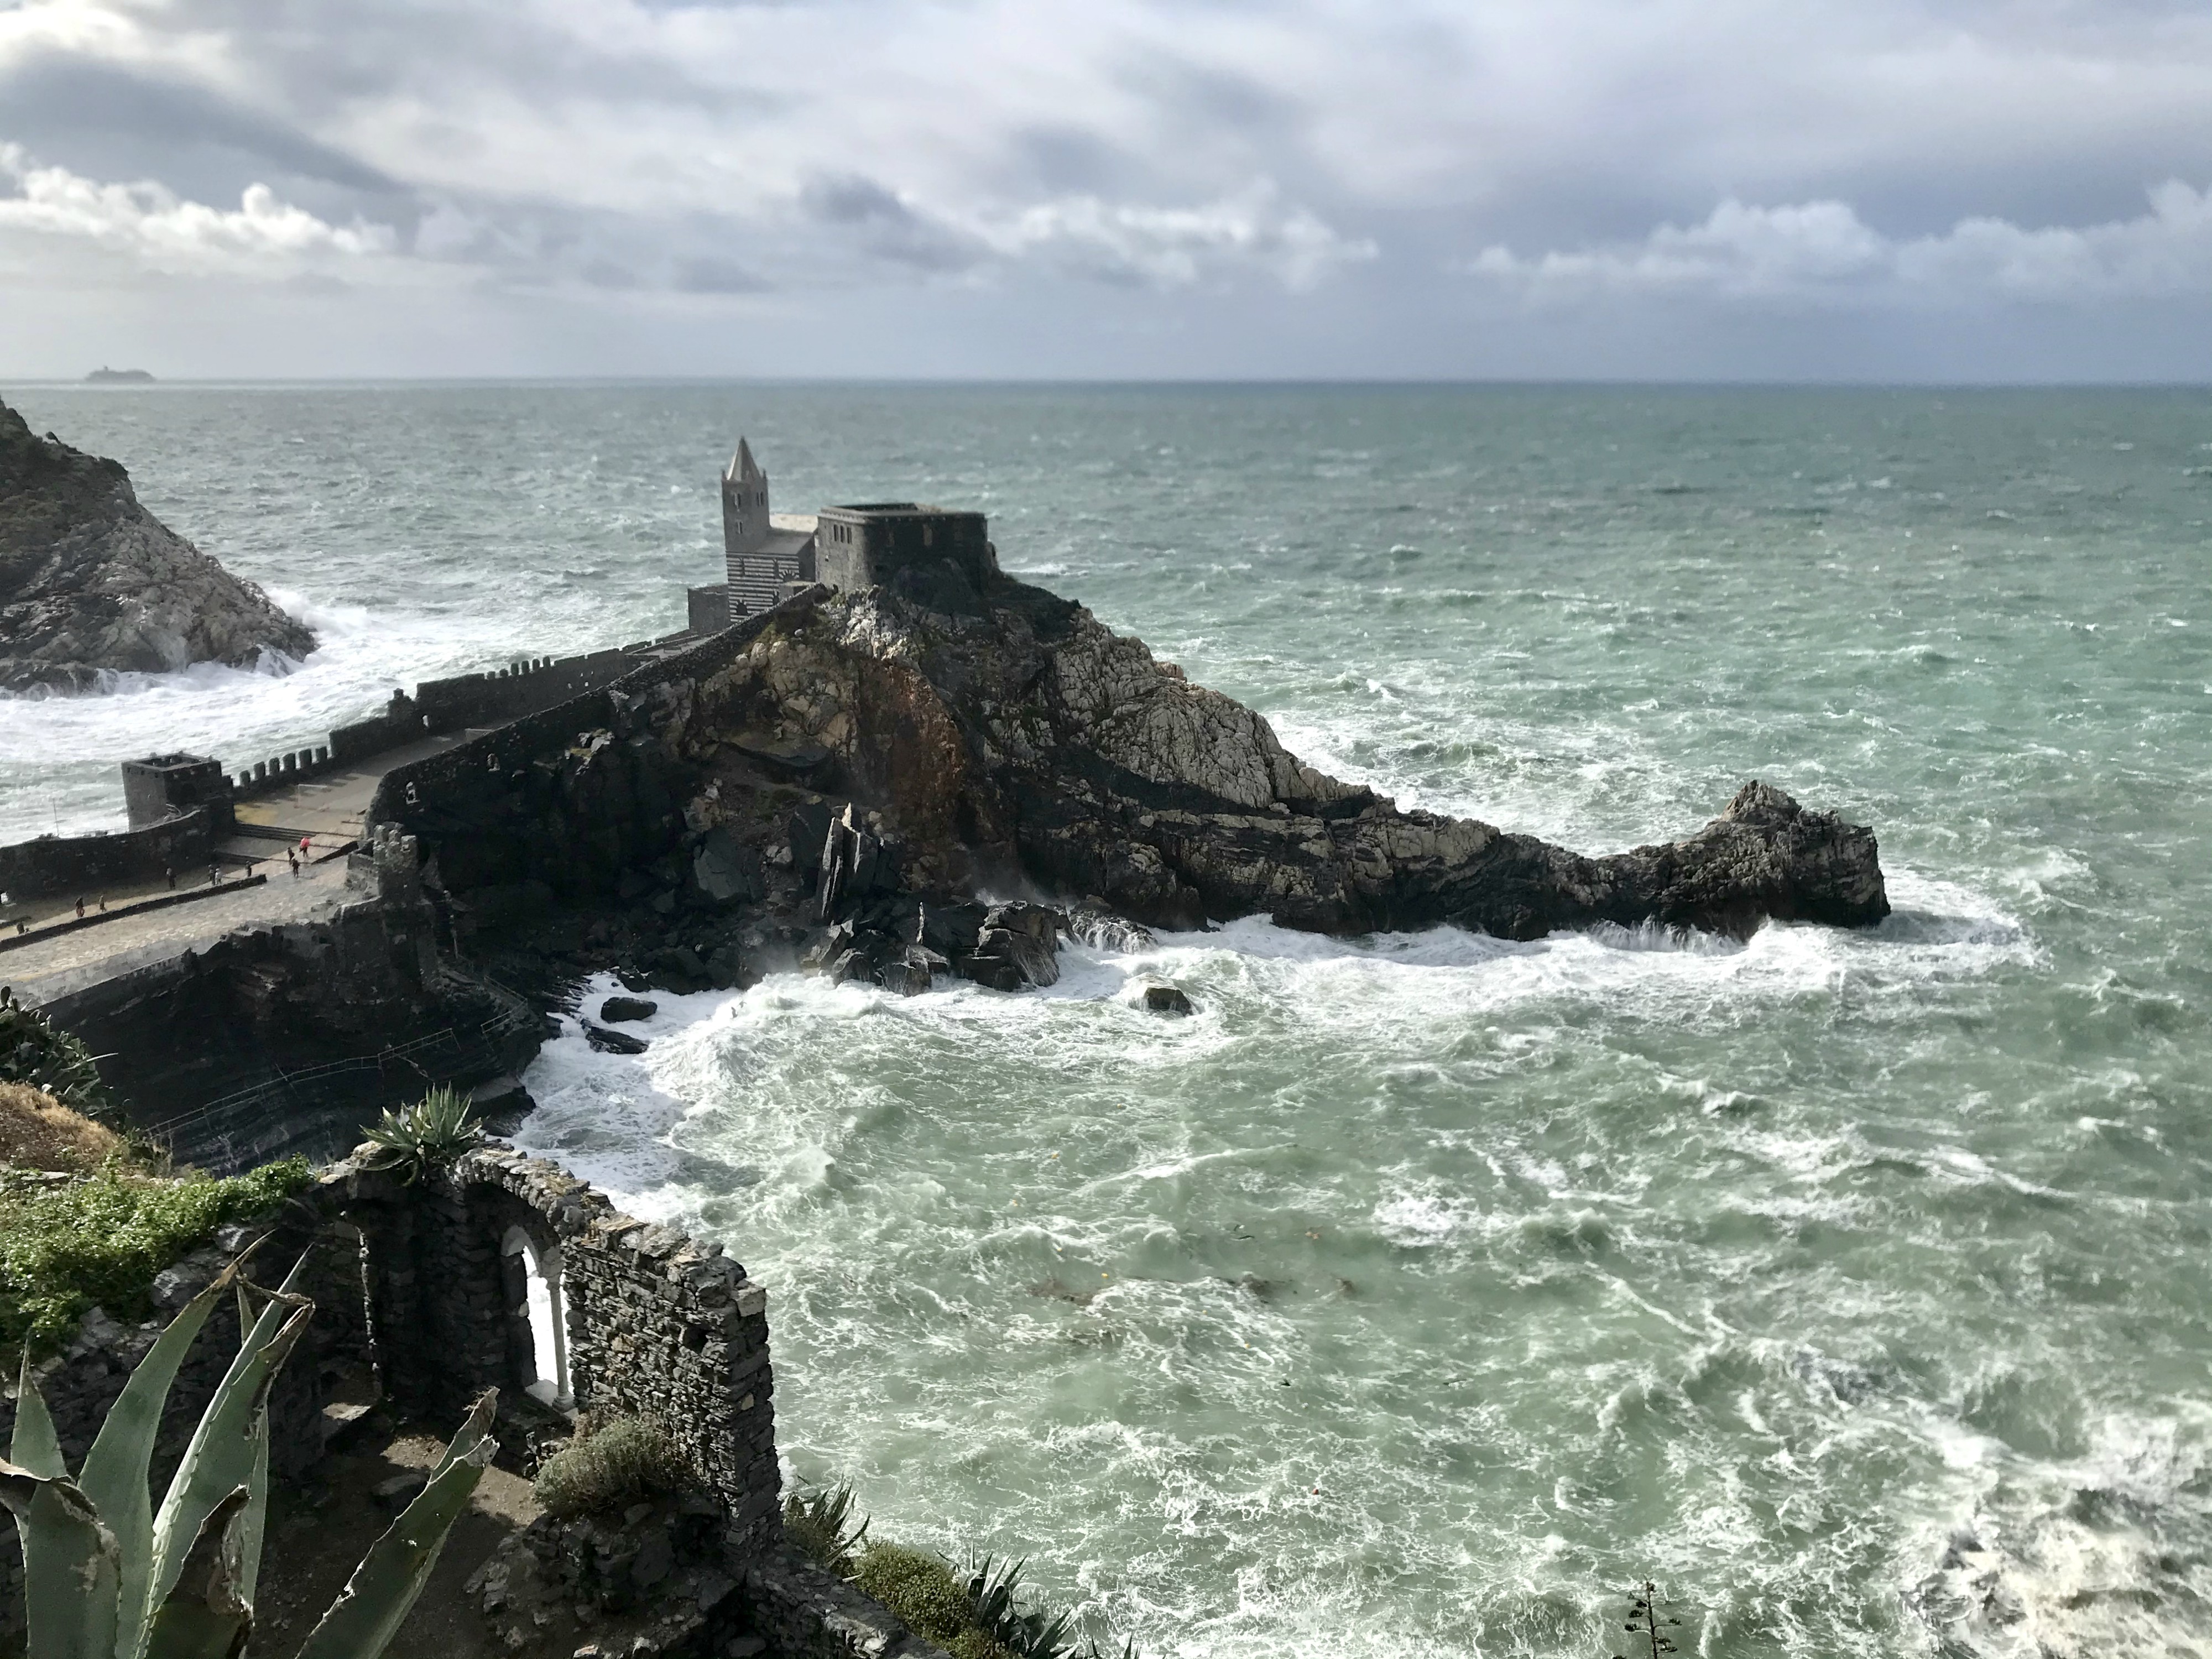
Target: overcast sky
x: 1680, y: 189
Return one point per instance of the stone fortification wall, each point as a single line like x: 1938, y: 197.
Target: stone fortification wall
x: 71, y: 866
x: 278, y: 1041
x: 858, y: 547
x: 572, y: 795
x: 442, y: 706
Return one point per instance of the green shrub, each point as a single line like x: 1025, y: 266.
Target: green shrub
x: 821, y: 1525
x: 625, y: 1460
x: 100, y: 1242
x: 920, y: 1589
x: 973, y: 1644
x: 434, y: 1131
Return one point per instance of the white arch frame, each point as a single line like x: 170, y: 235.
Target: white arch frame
x: 546, y: 1311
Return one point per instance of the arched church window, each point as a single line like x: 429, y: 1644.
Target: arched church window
x: 544, y: 1367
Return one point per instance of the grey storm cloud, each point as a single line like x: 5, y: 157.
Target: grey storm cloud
x: 1143, y: 185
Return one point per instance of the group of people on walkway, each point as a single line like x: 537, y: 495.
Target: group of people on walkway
x: 297, y: 858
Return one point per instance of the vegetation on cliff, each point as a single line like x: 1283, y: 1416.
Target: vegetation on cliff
x: 975, y: 1613
x: 38, y: 1055
x: 109, y: 1575
x: 609, y: 1465
x: 37, y: 1132
x: 98, y: 1242
x: 413, y: 1140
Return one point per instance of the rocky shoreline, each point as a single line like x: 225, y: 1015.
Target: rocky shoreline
x: 925, y: 779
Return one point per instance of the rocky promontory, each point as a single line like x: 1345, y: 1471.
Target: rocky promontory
x: 91, y: 581
x: 922, y: 777
x: 1012, y: 740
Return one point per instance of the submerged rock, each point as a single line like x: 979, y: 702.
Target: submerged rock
x: 1167, y: 999
x: 90, y: 581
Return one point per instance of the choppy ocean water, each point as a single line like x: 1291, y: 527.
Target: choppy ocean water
x: 1424, y: 1291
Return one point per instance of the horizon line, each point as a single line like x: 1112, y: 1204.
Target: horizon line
x: 1226, y: 382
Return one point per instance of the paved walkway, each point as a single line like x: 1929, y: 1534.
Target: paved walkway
x: 68, y: 961
x: 330, y: 810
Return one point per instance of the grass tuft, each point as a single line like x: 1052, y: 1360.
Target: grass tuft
x: 625, y: 1460
x: 37, y: 1132
x: 922, y: 1589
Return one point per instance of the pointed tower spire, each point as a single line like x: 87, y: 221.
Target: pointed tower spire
x: 744, y: 504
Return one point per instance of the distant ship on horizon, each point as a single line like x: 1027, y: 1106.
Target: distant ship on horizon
x: 105, y: 376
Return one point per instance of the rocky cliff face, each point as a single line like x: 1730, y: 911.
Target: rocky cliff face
x: 90, y: 581
x: 1009, y: 739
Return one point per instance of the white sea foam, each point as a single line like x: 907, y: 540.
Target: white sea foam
x: 1547, y: 1264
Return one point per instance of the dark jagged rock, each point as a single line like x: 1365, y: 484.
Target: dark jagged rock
x: 1022, y: 743
x: 1022, y: 937
x: 612, y: 1042
x: 1167, y: 999
x: 625, y: 1010
x: 90, y: 581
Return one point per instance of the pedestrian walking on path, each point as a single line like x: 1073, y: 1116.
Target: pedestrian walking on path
x: 306, y: 847
x: 80, y: 907
x: 292, y: 859
x: 215, y: 873
x: 169, y: 874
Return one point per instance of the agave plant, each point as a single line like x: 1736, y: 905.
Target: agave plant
x: 36, y: 1052
x: 415, y: 1139
x: 992, y: 1589
x: 822, y: 1524
x: 108, y: 1576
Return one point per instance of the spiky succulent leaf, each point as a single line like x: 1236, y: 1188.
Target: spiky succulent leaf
x: 224, y: 1444
x: 70, y: 1568
x: 378, y: 1598
x: 254, y: 1520
x: 415, y: 1139
x: 208, y: 1613
x: 474, y: 1427
x: 115, y: 1471
x: 35, y: 1446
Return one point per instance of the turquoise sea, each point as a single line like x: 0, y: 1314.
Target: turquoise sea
x: 1423, y: 1292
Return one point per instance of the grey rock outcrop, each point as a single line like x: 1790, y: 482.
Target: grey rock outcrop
x: 1015, y: 740
x: 91, y: 581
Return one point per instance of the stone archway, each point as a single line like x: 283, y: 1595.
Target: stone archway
x: 541, y: 1317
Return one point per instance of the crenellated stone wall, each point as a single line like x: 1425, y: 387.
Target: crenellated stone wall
x: 82, y: 865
